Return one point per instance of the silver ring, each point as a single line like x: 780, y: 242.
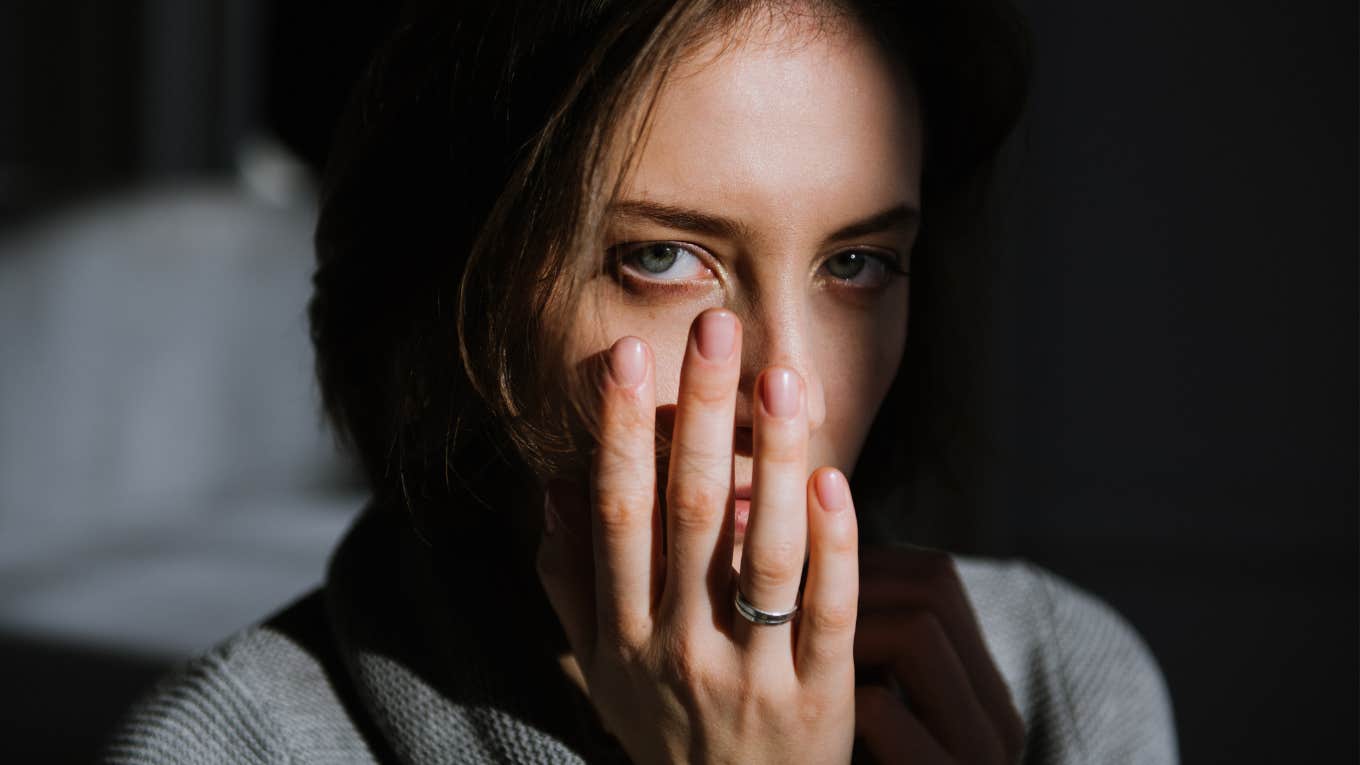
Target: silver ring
x: 755, y: 615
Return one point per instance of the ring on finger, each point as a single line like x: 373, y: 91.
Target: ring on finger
x: 758, y: 616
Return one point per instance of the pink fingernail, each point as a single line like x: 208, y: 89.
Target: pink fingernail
x: 717, y: 333
x: 779, y: 392
x: 832, y: 491
x: 628, y: 362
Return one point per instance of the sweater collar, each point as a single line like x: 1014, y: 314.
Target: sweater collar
x: 453, y: 648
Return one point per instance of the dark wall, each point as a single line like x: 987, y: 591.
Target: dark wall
x: 1177, y: 352
x: 68, y: 95
x: 102, y: 95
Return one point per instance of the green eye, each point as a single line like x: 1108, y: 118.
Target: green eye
x: 657, y: 258
x: 847, y: 265
x: 862, y: 268
x: 661, y: 261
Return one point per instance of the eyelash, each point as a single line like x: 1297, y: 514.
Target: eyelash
x: 620, y: 254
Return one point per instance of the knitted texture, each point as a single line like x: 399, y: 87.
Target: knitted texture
x: 376, y: 672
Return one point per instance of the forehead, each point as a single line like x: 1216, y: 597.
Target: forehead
x: 779, y: 121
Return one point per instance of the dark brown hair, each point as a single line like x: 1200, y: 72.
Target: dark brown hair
x: 462, y: 198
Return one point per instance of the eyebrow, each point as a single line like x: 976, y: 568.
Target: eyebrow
x: 680, y: 218
x: 898, y: 217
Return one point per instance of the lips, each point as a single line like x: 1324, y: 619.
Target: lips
x: 741, y: 508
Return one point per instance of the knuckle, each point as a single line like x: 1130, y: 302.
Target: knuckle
x: 766, y: 687
x: 613, y: 458
x: 814, y: 708
x: 695, y: 458
x: 832, y: 618
x: 696, y: 503
x: 768, y: 697
x: 623, y: 412
x: 683, y: 661
x: 706, y: 391
x: 618, y: 514
x: 707, y: 685
x: 783, y: 449
x: 774, y: 565
x: 693, y: 521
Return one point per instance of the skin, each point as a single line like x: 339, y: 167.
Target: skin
x: 754, y: 318
x: 791, y: 140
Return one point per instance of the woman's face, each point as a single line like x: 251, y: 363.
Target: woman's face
x: 780, y: 179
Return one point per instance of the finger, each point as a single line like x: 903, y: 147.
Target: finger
x: 890, y: 731
x: 699, y: 476
x: 772, y: 553
x: 826, y: 624
x: 565, y: 566
x: 624, y: 528
x: 896, y: 578
x: 923, y: 662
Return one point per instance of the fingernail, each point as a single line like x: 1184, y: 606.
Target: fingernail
x: 779, y: 391
x: 717, y: 335
x: 628, y: 362
x: 831, y: 491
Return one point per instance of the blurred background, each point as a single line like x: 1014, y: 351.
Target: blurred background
x: 1174, y: 347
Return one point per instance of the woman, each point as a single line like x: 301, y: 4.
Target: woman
x: 612, y: 302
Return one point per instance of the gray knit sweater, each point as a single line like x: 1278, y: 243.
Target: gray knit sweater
x: 390, y: 662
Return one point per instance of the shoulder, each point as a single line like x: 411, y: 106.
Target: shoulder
x: 1084, y: 680
x: 268, y: 695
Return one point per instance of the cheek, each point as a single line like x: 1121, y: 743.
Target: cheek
x: 600, y: 319
x: 587, y: 331
x: 860, y: 354
x: 667, y: 339
x: 890, y: 344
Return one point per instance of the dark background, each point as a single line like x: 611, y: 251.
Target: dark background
x: 1177, y: 343
x: 1174, y: 395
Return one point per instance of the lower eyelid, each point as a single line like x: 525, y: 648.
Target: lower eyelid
x: 666, y: 287
x: 886, y: 274
x: 641, y: 275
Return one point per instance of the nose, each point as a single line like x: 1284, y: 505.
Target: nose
x: 778, y: 333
